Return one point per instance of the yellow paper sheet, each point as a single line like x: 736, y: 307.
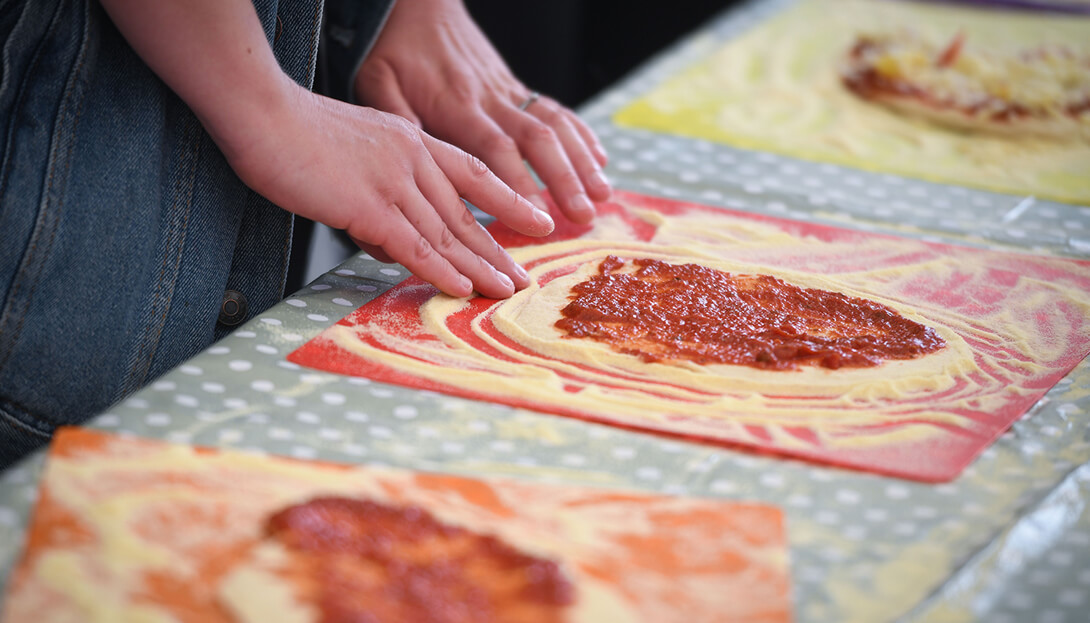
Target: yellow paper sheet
x: 776, y: 88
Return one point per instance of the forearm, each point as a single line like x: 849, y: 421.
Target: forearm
x: 214, y: 55
x: 380, y: 178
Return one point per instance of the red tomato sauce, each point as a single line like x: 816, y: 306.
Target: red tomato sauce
x: 381, y: 564
x: 688, y: 312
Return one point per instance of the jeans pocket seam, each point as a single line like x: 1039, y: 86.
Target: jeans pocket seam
x: 45, y: 228
x: 21, y: 418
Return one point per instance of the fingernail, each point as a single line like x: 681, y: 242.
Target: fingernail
x: 543, y: 219
x: 521, y: 272
x: 580, y: 203
x: 600, y: 180
x: 506, y: 280
x: 466, y: 285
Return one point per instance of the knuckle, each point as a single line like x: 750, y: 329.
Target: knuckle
x: 422, y: 250
x: 500, y: 144
x: 407, y: 127
x: 447, y: 241
x: 549, y: 115
x: 407, y: 134
x: 511, y: 199
x: 387, y: 194
x: 466, y: 218
x: 583, y: 163
x: 476, y: 167
x: 461, y: 90
x: 568, y: 179
x: 539, y: 133
x: 482, y: 265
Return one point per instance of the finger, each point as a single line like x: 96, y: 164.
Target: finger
x: 579, y: 153
x: 476, y: 132
x: 589, y: 138
x: 469, y: 177
x: 406, y: 245
x: 377, y: 86
x: 541, y: 147
x: 450, y: 229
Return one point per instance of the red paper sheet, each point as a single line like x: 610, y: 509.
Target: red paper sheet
x: 1016, y: 325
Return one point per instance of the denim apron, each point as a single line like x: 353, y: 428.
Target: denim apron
x: 123, y: 232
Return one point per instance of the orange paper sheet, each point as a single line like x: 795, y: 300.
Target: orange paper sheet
x: 135, y: 530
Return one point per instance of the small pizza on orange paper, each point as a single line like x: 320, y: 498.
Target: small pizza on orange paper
x: 127, y: 529
x: 869, y: 351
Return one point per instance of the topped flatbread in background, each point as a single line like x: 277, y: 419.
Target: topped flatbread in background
x: 779, y: 87
x: 1042, y: 90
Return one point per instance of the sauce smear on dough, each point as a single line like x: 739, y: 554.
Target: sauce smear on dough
x: 671, y: 312
x: 367, y: 561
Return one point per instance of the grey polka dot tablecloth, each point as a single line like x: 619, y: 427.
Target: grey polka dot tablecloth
x: 1008, y: 541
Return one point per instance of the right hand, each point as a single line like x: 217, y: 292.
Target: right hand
x: 393, y: 188
x: 432, y: 65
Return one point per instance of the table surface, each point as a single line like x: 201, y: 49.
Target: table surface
x: 1009, y: 540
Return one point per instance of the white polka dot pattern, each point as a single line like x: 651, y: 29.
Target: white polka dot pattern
x: 949, y: 547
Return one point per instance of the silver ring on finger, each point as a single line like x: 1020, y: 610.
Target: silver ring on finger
x: 530, y: 99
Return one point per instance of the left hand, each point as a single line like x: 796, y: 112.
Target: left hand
x: 433, y: 66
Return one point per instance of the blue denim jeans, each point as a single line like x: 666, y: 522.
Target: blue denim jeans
x: 121, y: 224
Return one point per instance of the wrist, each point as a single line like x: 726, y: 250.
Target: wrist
x: 243, y: 118
x: 214, y: 55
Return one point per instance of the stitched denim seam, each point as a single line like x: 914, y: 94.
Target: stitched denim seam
x: 46, y: 213
x: 5, y: 174
x: 164, y: 288
x: 10, y: 412
x: 312, y: 56
x: 315, y: 34
x: 312, y: 65
x: 285, y: 253
x: 20, y: 104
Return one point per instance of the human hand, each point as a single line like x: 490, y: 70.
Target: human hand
x: 433, y: 66
x: 393, y: 188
